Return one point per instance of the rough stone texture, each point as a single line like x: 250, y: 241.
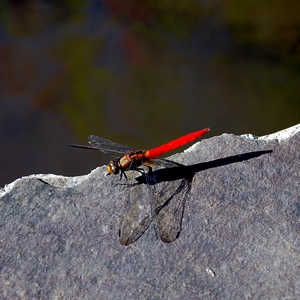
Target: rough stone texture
x: 239, y: 238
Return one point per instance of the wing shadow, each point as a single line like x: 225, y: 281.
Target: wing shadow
x: 169, y: 207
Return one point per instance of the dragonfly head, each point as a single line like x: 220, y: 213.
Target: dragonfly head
x: 113, y: 167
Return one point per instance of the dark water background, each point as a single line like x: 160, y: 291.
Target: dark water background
x: 140, y: 73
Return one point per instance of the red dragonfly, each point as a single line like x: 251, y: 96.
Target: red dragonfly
x: 129, y: 159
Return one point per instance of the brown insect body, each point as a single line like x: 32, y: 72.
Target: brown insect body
x: 130, y: 161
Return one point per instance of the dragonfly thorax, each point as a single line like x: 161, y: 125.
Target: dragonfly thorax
x: 130, y: 161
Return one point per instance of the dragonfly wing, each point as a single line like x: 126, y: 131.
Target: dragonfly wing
x: 136, y: 218
x: 166, y: 163
x: 107, y: 146
x: 171, y: 203
x: 167, y: 213
x: 136, y: 232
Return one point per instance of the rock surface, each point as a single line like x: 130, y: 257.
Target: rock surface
x: 239, y: 238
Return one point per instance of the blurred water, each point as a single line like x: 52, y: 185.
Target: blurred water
x: 139, y: 75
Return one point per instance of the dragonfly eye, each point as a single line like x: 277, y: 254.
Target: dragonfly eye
x: 113, y: 167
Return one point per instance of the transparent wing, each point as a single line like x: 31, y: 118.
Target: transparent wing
x: 171, y: 202
x: 105, y: 146
x: 136, y: 212
x: 165, y: 163
x: 167, y: 213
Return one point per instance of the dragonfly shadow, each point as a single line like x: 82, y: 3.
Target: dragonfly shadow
x: 169, y: 207
x: 188, y: 172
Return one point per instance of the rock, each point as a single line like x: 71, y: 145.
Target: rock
x: 239, y: 235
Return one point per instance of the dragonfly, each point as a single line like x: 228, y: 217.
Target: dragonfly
x: 168, y: 209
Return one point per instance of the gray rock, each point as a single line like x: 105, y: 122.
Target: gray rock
x: 239, y: 237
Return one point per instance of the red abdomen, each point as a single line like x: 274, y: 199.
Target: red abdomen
x: 155, y: 152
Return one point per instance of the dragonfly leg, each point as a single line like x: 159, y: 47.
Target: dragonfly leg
x: 123, y: 174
